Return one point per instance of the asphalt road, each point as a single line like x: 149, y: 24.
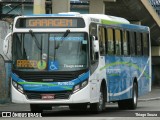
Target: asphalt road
x: 148, y: 105
x: 146, y: 109
x: 112, y: 110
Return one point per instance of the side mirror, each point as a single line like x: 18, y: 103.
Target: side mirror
x: 6, y: 46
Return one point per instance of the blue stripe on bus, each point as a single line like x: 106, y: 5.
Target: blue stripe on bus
x: 133, y: 26
x: 50, y: 86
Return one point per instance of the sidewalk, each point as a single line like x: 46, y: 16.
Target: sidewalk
x: 153, y: 95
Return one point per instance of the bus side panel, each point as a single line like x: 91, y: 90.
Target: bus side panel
x: 118, y: 76
x: 121, y: 72
x: 126, y: 78
x: 113, y: 76
x: 140, y: 71
x: 144, y: 79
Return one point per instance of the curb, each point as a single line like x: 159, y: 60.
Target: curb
x: 149, y: 99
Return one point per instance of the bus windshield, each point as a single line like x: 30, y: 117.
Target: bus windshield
x: 50, y: 51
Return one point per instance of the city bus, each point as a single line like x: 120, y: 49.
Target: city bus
x: 79, y: 60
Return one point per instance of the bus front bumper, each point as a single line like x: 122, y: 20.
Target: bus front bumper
x: 82, y: 96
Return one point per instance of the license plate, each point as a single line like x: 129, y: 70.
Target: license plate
x: 47, y: 96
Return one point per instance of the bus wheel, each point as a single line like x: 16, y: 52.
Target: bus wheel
x: 36, y: 108
x: 130, y: 103
x: 78, y: 107
x: 100, y: 106
x: 133, y: 102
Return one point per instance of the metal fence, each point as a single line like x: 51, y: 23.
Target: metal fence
x: 156, y: 5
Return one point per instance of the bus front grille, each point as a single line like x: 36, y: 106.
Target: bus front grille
x: 38, y: 95
x: 46, y: 76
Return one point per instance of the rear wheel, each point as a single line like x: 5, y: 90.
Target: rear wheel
x: 100, y: 106
x: 130, y: 103
x: 133, y: 102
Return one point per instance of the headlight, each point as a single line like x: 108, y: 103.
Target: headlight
x: 80, y: 86
x: 17, y: 86
x: 20, y: 88
x: 76, y: 88
x: 84, y: 84
x: 14, y: 84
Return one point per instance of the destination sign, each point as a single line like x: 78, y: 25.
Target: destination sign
x: 50, y: 23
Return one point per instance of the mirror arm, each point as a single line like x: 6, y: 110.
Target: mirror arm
x: 6, y: 44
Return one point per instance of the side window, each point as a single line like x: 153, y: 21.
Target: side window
x: 125, y: 43
x: 128, y: 42
x: 132, y: 43
x: 110, y: 38
x: 92, y: 32
x: 145, y: 39
x: 118, y: 42
x: 102, y: 40
x: 138, y: 43
x: 93, y: 29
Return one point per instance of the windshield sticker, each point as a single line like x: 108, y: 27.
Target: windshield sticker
x: 73, y: 66
x: 67, y: 38
x: 84, y: 42
x: 53, y: 65
x: 42, y: 65
x: 27, y: 63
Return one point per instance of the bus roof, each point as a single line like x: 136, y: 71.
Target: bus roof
x: 100, y: 18
x: 97, y: 18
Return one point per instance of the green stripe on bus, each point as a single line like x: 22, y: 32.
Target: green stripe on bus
x: 36, y: 83
x: 108, y: 22
x: 125, y: 63
x: 40, y: 83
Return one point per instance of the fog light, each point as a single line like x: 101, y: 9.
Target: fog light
x: 20, y: 88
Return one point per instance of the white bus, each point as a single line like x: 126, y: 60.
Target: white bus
x: 80, y: 60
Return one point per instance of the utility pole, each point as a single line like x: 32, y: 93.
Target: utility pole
x: 39, y: 7
x: 60, y: 6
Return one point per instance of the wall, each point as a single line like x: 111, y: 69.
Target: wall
x: 4, y: 66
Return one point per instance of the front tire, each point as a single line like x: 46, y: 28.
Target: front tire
x: 100, y: 106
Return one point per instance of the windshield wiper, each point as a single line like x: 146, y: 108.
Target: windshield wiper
x: 35, y: 39
x: 62, y: 39
x: 39, y: 46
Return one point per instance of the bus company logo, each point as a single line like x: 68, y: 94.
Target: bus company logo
x: 113, y: 71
